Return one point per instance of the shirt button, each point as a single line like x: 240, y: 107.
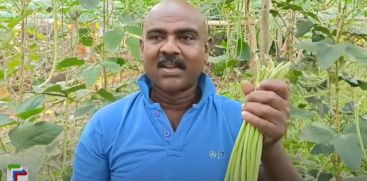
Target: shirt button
x: 156, y: 113
x: 166, y: 133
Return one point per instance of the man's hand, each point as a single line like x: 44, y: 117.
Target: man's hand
x: 267, y: 109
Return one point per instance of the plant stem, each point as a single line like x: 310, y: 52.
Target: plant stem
x: 23, y: 48
x: 55, y: 47
x: 105, y: 27
x: 65, y: 138
x: 265, y: 31
x: 2, y: 145
x: 356, y: 119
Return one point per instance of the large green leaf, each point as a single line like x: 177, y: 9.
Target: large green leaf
x: 358, y: 53
x: 87, y: 108
x: 117, y: 60
x: 89, y: 4
x: 327, y: 54
x: 48, y: 89
x: 243, y: 50
x: 68, y: 90
x: 17, y: 20
x: 31, y: 158
x: 69, y: 62
x: 322, y: 107
x: 110, y: 66
x: 5, y: 120
x: 322, y: 149
x: 318, y: 133
x: 30, y: 107
x: 136, y: 30
x: 347, y: 147
x: 106, y: 95
x: 112, y: 39
x: 30, y: 134
x: 303, y: 27
x: 134, y: 46
x: 351, y: 129
x: 91, y: 74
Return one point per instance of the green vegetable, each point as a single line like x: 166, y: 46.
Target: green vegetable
x: 245, y: 159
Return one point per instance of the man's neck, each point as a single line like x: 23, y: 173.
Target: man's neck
x: 176, y: 104
x: 180, y: 101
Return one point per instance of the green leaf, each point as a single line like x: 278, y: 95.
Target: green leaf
x: 117, y: 60
x: 243, y: 50
x: 134, y: 46
x: 86, y: 41
x: 69, y: 62
x: 322, y: 107
x: 324, y: 30
x: 326, y: 53
x: 4, y: 120
x: 357, y: 53
x: 349, y: 107
x: 1, y: 75
x: 30, y: 134
x: 48, y: 89
x: 75, y: 88
x: 347, y: 147
x: 89, y: 4
x: 31, y: 158
x: 217, y: 59
x: 351, y: 129
x: 303, y: 27
x: 127, y: 19
x: 318, y: 133
x: 136, y: 30
x: 6, y: 36
x: 112, y: 39
x: 30, y: 107
x: 91, y: 74
x: 302, y: 113
x: 106, y: 95
x: 362, y: 85
x: 322, y: 149
x: 84, y: 110
x: 111, y: 66
x: 356, y: 178
x: 16, y: 21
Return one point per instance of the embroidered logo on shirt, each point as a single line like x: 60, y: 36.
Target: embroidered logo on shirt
x: 216, y: 154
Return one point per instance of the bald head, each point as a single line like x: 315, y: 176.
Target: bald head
x: 180, y: 8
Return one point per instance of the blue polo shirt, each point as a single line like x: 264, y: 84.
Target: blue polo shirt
x: 133, y: 140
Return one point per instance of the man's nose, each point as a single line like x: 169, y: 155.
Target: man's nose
x: 170, y: 47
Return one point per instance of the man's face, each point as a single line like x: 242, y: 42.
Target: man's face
x: 174, y: 48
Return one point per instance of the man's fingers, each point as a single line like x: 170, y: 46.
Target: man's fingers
x: 269, y: 98
x: 266, y: 112
x: 265, y: 127
x: 247, y: 87
x: 277, y: 86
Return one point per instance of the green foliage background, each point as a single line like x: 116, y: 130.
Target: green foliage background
x: 61, y: 60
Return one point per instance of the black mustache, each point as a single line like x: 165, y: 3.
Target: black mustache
x: 173, y: 59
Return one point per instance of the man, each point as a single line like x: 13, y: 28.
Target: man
x: 176, y: 128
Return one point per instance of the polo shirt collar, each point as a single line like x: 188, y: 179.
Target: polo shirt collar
x: 205, y: 82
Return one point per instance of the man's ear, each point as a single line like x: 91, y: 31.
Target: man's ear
x: 206, y: 49
x: 141, y: 44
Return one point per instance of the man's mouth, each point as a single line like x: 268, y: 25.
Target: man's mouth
x: 171, y: 62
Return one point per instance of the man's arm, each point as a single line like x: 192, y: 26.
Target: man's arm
x: 276, y: 165
x: 90, y: 162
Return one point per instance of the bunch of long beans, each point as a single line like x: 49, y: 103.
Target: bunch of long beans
x: 246, y: 155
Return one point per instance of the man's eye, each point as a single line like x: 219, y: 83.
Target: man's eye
x: 187, y: 37
x: 155, y: 37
